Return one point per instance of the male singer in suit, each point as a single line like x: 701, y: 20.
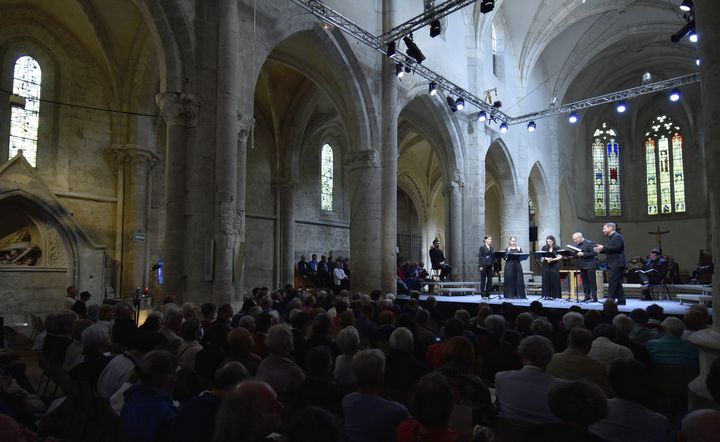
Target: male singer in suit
x: 586, y: 262
x: 615, y: 251
x: 437, y: 260
x: 486, y: 266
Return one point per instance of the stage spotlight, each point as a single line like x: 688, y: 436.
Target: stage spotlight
x: 460, y: 103
x: 482, y: 116
x: 531, y: 126
x: 432, y: 89
x: 497, y: 104
x: 685, y: 30
x: 687, y: 6
x: 503, y: 128
x: 399, y: 71
x: 573, y: 118
x: 697, y: 61
x: 675, y: 95
x: 391, y: 52
x: 621, y: 107
x: 435, y: 29
x: 487, y: 6
x: 451, y: 104
x: 413, y: 50
x: 407, y: 69
x: 693, y: 36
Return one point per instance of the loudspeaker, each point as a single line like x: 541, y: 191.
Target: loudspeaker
x: 533, y: 234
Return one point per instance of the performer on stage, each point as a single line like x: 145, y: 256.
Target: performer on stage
x: 437, y: 260
x: 551, y: 270
x: 615, y: 251
x: 486, y: 267
x: 514, y: 282
x: 653, y: 272
x: 586, y: 262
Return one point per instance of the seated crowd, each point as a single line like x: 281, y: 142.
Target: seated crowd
x: 310, y: 366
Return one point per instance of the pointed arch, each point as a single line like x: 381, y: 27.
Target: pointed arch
x: 499, y: 161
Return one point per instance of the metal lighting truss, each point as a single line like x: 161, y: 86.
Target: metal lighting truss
x: 609, y: 98
x: 330, y: 16
x: 423, y: 20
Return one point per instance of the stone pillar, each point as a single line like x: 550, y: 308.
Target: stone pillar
x: 226, y: 152
x: 180, y: 112
x: 285, y: 194
x: 244, y: 129
x: 365, y: 219
x: 389, y: 137
x: 707, y: 16
x: 455, y: 222
x: 134, y: 164
x: 515, y: 222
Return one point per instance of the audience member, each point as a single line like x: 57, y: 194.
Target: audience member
x: 629, y: 419
x: 402, y: 368
x: 124, y: 327
x: 249, y: 413
x: 623, y: 328
x: 319, y: 389
x: 368, y: 417
x: 574, y: 363
x: 641, y: 334
x: 73, y: 354
x: 191, y: 332
x: 312, y: 424
x: 80, y: 306
x: 432, y: 405
x: 522, y: 395
x: 700, y: 426
x: 96, y: 355
x: 240, y: 347
x: 348, y: 339
x: 604, y: 350
x: 278, y: 369
x: 671, y: 349
x: 214, y: 352
x: 171, y: 321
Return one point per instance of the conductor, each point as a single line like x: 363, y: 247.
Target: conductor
x: 437, y: 260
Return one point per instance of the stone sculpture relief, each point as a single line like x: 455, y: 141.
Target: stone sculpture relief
x: 17, y: 249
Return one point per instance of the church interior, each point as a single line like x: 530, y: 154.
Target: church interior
x: 196, y: 150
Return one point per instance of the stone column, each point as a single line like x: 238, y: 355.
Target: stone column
x: 707, y: 16
x: 180, y: 112
x: 226, y: 152
x: 365, y: 219
x: 285, y: 194
x: 134, y: 163
x: 245, y: 127
x: 389, y: 140
x: 515, y: 222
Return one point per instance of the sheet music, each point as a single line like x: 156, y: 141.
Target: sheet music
x: 573, y: 248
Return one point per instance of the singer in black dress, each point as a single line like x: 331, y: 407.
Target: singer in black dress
x: 514, y: 281
x: 551, y: 287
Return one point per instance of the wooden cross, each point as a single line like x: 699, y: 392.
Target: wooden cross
x: 658, y: 236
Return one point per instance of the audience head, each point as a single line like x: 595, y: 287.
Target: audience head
x: 84, y: 296
x: 401, y: 340
x: 673, y: 326
x: 463, y: 315
x: 700, y: 426
x: 93, y: 312
x: 580, y: 402
x: 146, y: 342
x: 79, y: 326
x: 610, y: 308
x: 459, y: 352
x: 541, y: 327
x: 580, y: 339
x: 321, y: 324
x: 694, y: 320
x: 106, y: 312
x: 248, y: 323
x: 604, y: 331
x: 216, y: 335
x: 536, y: 308
x: 228, y: 376
x: 225, y: 312
x: 249, y: 413
x: 158, y: 369
x: 536, y: 351
x: 318, y: 364
x: 96, y: 338
x: 263, y: 322
x: 191, y: 330
x: 623, y: 325
x: 422, y: 317
x: 655, y: 312
x: 124, y: 310
x: 523, y: 322
x: 592, y: 319
x: 369, y: 369
x: 495, y: 325
x: 433, y: 401
x: 280, y: 340
x: 453, y: 327
x: 630, y: 380
x: 209, y: 311
x: 639, y: 316
x: 312, y: 424
x: 240, y: 342
x: 572, y: 319
x: 189, y: 311
x: 348, y: 339
x: 347, y: 318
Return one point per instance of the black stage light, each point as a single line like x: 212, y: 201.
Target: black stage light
x: 482, y: 116
x: 487, y: 6
x: 435, y: 29
x: 391, y: 53
x: 460, y: 103
x: 687, y: 5
x: 432, y: 89
x: 497, y: 104
x: 685, y: 30
x: 412, y: 50
x: 399, y: 71
x: 451, y: 104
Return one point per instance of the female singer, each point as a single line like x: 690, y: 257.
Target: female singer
x: 551, y: 288
x: 514, y: 280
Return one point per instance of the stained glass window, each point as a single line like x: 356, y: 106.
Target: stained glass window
x: 606, y: 172
x: 326, y: 178
x: 24, y: 122
x: 664, y: 167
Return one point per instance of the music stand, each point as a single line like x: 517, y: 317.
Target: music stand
x: 573, y: 282
x: 495, y: 256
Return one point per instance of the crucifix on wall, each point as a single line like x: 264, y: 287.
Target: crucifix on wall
x: 658, y: 237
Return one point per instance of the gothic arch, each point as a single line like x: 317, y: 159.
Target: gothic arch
x: 499, y: 160
x: 543, y: 204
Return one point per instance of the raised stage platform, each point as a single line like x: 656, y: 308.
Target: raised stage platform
x: 470, y: 302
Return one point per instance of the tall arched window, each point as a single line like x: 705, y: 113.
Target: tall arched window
x: 326, y: 178
x: 24, y: 122
x: 606, y: 168
x: 493, y: 38
x: 664, y: 167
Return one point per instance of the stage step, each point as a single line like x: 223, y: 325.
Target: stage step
x: 449, y: 291
x: 700, y: 299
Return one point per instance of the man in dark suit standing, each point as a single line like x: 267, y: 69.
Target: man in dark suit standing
x: 615, y: 251
x: 586, y: 262
x: 486, y: 266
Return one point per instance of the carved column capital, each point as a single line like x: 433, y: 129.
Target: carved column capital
x: 178, y: 109
x: 363, y: 159
x: 245, y: 126
x: 133, y: 155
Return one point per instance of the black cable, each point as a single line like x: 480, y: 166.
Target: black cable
x: 81, y: 106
